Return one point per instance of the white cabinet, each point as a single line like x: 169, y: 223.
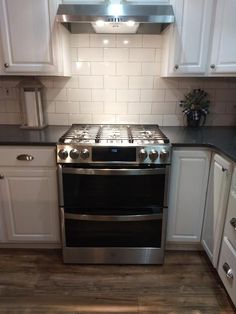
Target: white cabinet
x: 28, y: 193
x: 227, y: 260
x: 223, y: 55
x: 32, y: 41
x: 216, y: 203
x: 188, y: 185
x: 186, y: 43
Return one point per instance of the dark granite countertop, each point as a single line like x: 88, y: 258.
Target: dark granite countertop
x: 222, y: 139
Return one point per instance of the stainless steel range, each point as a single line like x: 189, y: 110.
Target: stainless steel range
x: 113, y: 193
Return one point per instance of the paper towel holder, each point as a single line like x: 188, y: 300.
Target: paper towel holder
x: 31, y: 104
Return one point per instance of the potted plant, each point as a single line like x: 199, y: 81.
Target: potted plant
x: 195, y: 107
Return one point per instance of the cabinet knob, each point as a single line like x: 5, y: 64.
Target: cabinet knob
x: 25, y: 157
x: 1, y: 176
x: 176, y: 66
x: 228, y: 271
x: 6, y: 65
x: 212, y: 66
x: 233, y: 223
x: 224, y: 169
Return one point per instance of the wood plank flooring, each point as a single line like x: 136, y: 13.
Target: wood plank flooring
x: 36, y: 281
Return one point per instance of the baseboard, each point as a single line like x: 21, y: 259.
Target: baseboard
x: 173, y: 246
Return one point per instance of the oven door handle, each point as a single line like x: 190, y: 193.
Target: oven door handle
x: 113, y: 217
x: 118, y: 172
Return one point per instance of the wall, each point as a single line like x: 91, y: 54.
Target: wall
x: 116, y: 79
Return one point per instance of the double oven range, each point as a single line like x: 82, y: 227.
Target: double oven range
x: 113, y: 193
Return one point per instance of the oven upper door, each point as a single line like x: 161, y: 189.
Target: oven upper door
x: 113, y: 188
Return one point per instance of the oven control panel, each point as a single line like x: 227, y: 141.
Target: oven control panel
x: 160, y: 154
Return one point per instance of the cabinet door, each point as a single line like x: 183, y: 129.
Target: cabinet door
x: 223, y: 56
x: 217, y: 196
x: 30, y: 206
x: 187, y: 41
x: 188, y: 184
x: 26, y: 35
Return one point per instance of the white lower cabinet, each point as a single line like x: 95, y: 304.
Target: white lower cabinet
x: 216, y: 204
x: 188, y: 186
x: 29, y: 198
x: 227, y: 260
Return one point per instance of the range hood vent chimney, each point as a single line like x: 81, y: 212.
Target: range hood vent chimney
x: 115, y: 18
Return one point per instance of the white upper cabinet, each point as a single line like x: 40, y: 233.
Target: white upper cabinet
x: 32, y: 42
x: 186, y: 43
x: 223, y: 55
x: 216, y: 203
x: 188, y: 185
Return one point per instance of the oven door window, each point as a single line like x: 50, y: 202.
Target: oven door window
x: 113, y: 191
x: 94, y: 232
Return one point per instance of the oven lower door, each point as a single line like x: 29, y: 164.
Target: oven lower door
x: 114, y: 236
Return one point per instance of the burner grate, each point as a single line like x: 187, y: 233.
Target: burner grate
x: 114, y: 133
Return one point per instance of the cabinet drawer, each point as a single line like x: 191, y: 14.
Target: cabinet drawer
x: 228, y: 263
x: 230, y: 222
x: 37, y: 156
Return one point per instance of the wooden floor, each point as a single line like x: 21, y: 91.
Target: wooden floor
x: 38, y: 282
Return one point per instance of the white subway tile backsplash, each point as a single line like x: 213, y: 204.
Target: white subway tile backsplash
x: 79, y: 40
x: 58, y: 118
x: 56, y: 94
x: 81, y: 68
x: 151, y: 119
x: 139, y: 108
x: 91, y: 81
x: 151, y: 68
x: 128, y: 68
x: 136, y: 82
x: 172, y: 120
x: 104, y: 95
x: 102, y: 40
x: 114, y: 108
x: 90, y: 54
x: 66, y: 107
x: 175, y: 94
x: 153, y: 95
x: 116, y: 79
x: 103, y: 68
x: 167, y: 108
x: 103, y: 118
x: 128, y: 95
x: 129, y: 40
x: 116, y: 54
x: 91, y: 107
x: 80, y: 118
x: 152, y: 41
x: 142, y: 55
x: 10, y: 118
x: 132, y: 119
x: 79, y: 94
x: 116, y: 82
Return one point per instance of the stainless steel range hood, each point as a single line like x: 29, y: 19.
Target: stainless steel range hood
x: 115, y: 18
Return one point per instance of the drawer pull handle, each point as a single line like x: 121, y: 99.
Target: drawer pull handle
x: 1, y: 176
x: 25, y: 157
x: 228, y: 271
x: 233, y: 223
x: 224, y: 169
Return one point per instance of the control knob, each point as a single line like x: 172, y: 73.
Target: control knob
x: 74, y: 153
x: 142, y: 154
x: 153, y: 155
x: 84, y: 153
x: 164, y: 154
x: 63, y: 154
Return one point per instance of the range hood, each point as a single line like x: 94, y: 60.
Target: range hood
x: 115, y: 18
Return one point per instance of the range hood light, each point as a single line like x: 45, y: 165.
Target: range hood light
x: 130, y: 23
x: 100, y: 23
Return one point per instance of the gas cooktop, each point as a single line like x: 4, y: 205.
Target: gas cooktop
x: 131, y: 143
